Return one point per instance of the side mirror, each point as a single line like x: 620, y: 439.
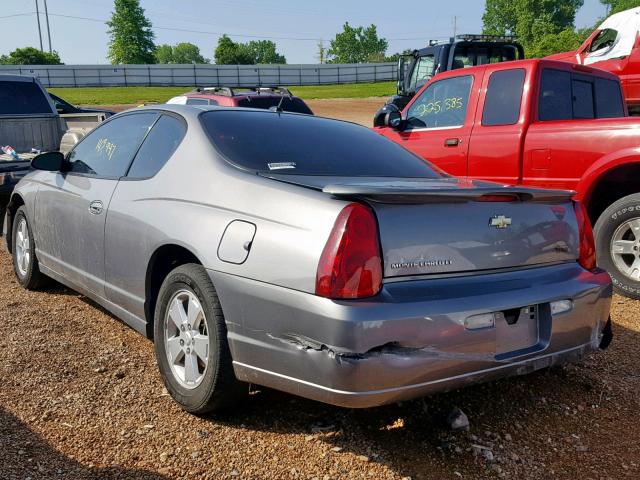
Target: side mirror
x: 401, y: 71
x: 49, y: 161
x: 389, y: 116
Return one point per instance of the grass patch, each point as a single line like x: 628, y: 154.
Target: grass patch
x: 138, y: 95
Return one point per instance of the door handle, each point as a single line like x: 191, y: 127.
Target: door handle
x: 95, y: 207
x: 452, y: 142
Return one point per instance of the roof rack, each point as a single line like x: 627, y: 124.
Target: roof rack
x: 470, y: 37
x: 232, y: 91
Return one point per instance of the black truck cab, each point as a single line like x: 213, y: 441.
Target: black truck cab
x: 463, y: 51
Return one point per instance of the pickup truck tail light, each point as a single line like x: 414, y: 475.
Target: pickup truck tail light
x: 587, y: 256
x: 351, y: 266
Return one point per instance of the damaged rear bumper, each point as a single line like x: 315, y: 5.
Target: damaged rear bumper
x: 411, y: 339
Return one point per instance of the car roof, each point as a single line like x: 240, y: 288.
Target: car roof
x: 238, y: 92
x: 528, y: 64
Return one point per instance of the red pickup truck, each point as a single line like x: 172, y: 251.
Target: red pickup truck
x: 540, y: 123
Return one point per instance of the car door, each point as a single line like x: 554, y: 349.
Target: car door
x: 439, y: 123
x: 130, y: 232
x: 71, y: 206
x: 499, y: 130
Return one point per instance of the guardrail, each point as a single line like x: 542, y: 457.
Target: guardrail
x: 203, y: 75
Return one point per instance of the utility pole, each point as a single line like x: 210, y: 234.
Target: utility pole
x: 39, y: 30
x: 46, y: 15
x: 455, y: 26
x: 321, y: 52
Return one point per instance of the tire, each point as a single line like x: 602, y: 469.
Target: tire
x: 182, y: 339
x: 25, y: 262
x: 614, y: 235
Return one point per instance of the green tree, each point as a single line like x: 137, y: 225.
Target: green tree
x: 540, y: 25
x: 616, y: 6
x: 529, y: 19
x: 566, y: 40
x: 229, y: 52
x: 30, y: 56
x: 131, y: 35
x: 264, y: 52
x: 180, y: 53
x: 164, y: 54
x: 357, y: 45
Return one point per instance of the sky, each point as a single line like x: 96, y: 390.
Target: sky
x: 295, y: 26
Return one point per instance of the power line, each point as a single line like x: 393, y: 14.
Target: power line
x: 18, y: 15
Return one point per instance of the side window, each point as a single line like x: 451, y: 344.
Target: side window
x: 504, y: 97
x: 162, y: 141
x: 442, y: 104
x: 197, y: 101
x: 555, y: 95
x: 422, y: 72
x: 609, y: 102
x: 564, y: 96
x: 107, y: 151
x: 582, y: 99
x: 604, y: 40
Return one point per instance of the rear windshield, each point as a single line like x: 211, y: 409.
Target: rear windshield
x: 22, y: 98
x: 304, y: 145
x: 294, y: 105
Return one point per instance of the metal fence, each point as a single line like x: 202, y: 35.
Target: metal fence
x: 203, y: 75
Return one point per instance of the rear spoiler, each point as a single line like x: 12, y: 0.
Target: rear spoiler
x: 386, y: 193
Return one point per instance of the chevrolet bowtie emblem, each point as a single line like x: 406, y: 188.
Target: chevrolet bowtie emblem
x: 500, y: 221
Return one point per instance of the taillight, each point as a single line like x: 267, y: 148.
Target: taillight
x: 350, y: 265
x: 587, y: 245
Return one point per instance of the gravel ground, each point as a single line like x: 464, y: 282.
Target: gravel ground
x: 81, y: 398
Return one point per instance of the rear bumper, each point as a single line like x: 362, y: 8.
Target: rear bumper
x: 410, y: 340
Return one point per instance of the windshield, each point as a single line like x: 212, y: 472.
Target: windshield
x: 269, y: 142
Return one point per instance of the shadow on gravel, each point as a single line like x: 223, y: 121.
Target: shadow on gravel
x: 24, y: 454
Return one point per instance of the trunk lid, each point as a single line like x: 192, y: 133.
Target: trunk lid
x: 448, y: 225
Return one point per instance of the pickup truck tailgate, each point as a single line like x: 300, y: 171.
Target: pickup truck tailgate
x: 24, y: 132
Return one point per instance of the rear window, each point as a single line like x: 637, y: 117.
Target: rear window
x: 294, y: 105
x: 21, y: 98
x: 305, y: 145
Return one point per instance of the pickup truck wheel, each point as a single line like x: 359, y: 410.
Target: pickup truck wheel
x: 617, y: 236
x: 190, y: 338
x: 25, y: 262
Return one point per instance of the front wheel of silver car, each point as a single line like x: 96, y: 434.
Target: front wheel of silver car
x: 25, y: 262
x: 190, y: 338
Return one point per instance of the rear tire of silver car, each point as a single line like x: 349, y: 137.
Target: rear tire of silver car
x: 25, y: 262
x: 190, y: 337
x: 617, y: 236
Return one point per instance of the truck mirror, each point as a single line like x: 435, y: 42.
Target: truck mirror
x: 400, y: 87
x: 49, y: 161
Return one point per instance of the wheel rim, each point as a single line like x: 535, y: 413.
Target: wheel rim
x: 186, y: 339
x: 23, y: 250
x: 625, y: 249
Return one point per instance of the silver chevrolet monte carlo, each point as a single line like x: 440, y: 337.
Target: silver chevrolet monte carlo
x: 309, y: 255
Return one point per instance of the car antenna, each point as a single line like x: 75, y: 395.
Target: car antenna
x: 278, y: 109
